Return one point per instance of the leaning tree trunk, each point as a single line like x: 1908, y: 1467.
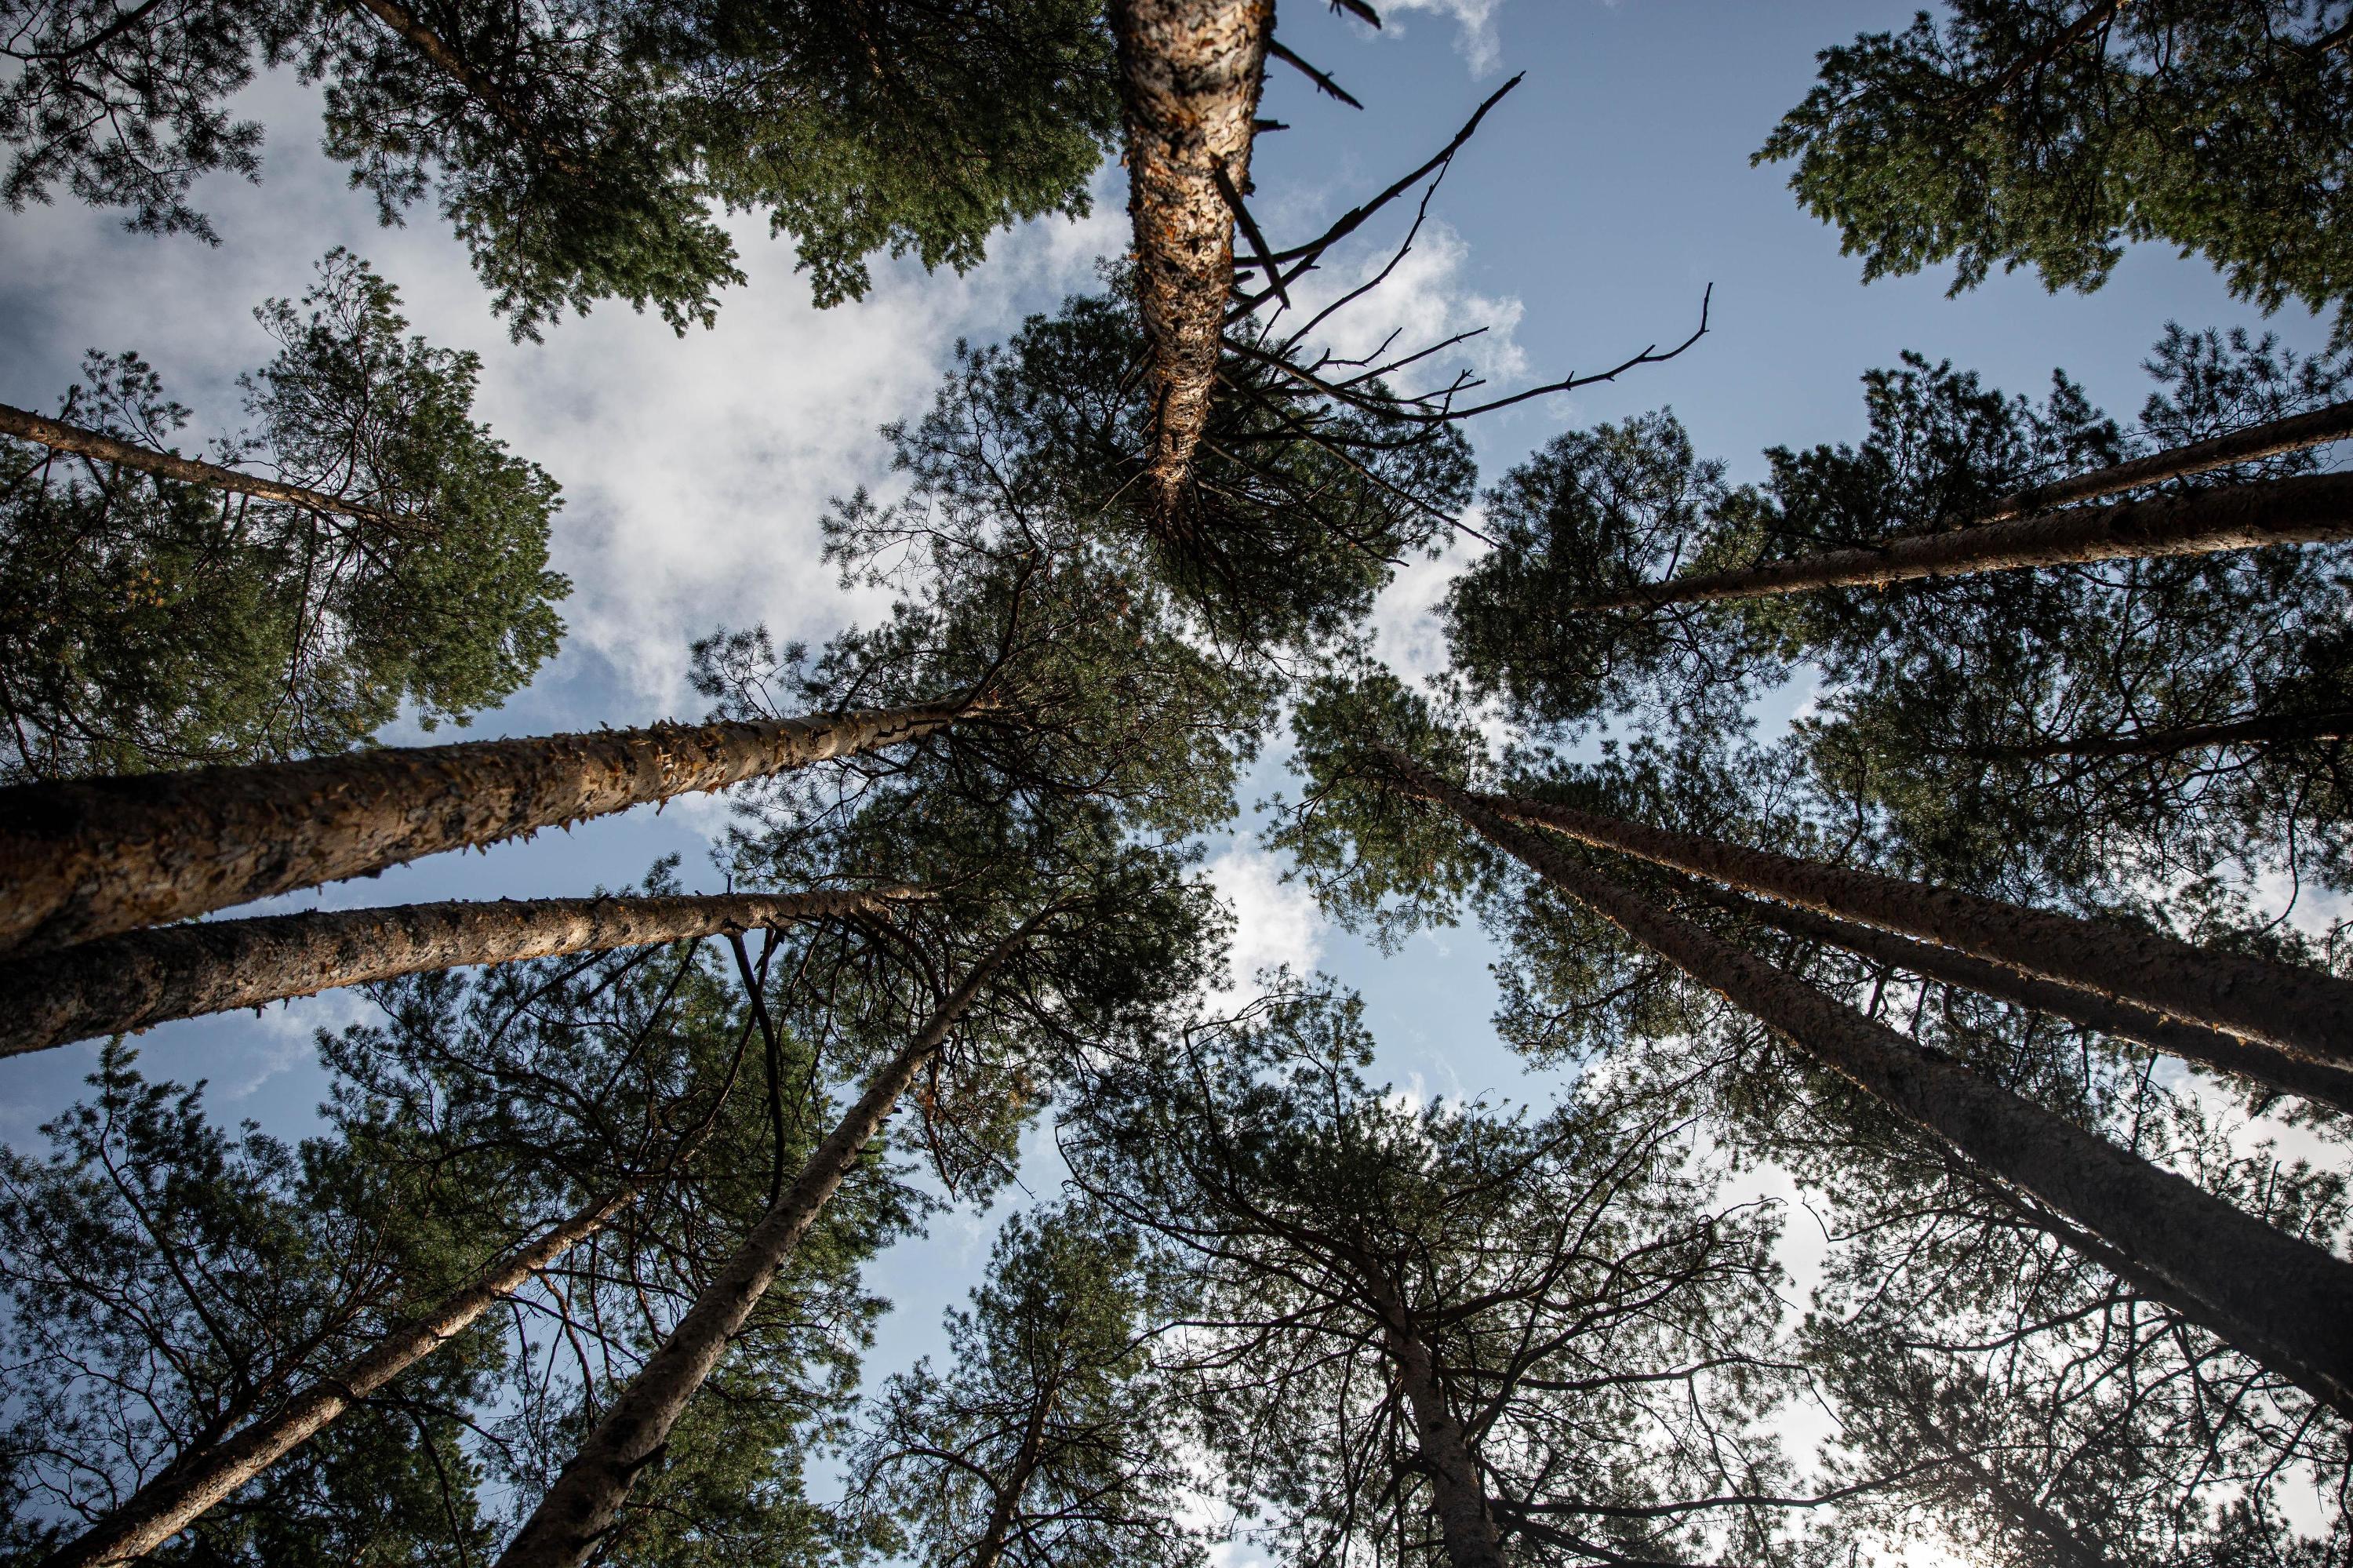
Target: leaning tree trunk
x: 2257, y: 1064
x: 2299, y: 1010
x: 581, y: 1507
x: 2258, y: 729
x: 2274, y: 438
x: 96, y: 856
x: 1189, y: 75
x: 989, y: 1550
x: 158, y: 1512
x: 60, y: 437
x: 2309, y: 510
x: 121, y: 983
x: 2281, y: 1301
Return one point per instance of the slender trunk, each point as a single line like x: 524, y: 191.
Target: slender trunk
x: 2282, y: 1302
x: 1190, y: 73
x: 449, y: 63
x: 2311, y: 509
x: 2299, y: 1010
x: 1465, y: 1522
x: 990, y: 1548
x: 158, y: 1512
x: 122, y: 983
x: 580, y: 1509
x: 93, y: 857
x: 93, y: 444
x: 2257, y: 729
x: 2257, y: 1064
x: 2275, y: 439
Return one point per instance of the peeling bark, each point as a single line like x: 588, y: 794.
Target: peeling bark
x: 580, y: 1509
x: 93, y: 857
x: 2302, y: 1012
x: 122, y: 983
x: 60, y: 437
x: 2282, y: 1302
x: 1190, y: 73
x: 2309, y: 510
x: 161, y: 1510
x: 2257, y: 1064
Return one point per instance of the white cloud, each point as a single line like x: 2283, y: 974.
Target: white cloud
x: 1474, y: 22
x: 1275, y: 923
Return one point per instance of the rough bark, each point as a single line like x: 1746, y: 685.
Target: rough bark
x: 1465, y: 1523
x: 2257, y: 1064
x: 2281, y: 1301
x: 122, y: 983
x: 60, y: 437
x: 2308, y: 510
x: 2298, y: 1011
x: 580, y: 1509
x: 2259, y: 729
x: 93, y: 857
x: 155, y: 1513
x: 2276, y: 439
x: 1190, y: 73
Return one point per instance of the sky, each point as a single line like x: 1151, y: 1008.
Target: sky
x: 1599, y: 203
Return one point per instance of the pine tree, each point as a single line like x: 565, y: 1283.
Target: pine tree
x: 1447, y: 1333
x: 1052, y: 1439
x: 2045, y: 134
x: 578, y: 149
x: 361, y: 547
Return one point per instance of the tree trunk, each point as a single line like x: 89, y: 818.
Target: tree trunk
x: 122, y: 983
x: 2257, y: 1064
x: 990, y: 1548
x: 580, y: 1509
x: 1465, y: 1522
x: 2256, y: 730
x: 2308, y: 509
x: 2299, y: 1010
x: 92, y: 857
x: 158, y: 1512
x: 1190, y: 73
x: 2282, y: 1302
x: 60, y: 437
x: 2275, y: 439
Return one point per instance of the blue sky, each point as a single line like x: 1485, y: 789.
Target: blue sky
x: 1583, y: 223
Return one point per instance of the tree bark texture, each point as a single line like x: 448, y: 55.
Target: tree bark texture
x: 2260, y: 730
x: 2282, y: 1302
x: 2308, y: 510
x: 1190, y: 73
x: 580, y: 1509
x: 1465, y: 1523
x: 2274, y: 438
x: 93, y: 857
x: 2256, y: 1064
x: 157, y: 1512
x: 122, y: 983
x: 2299, y: 1010
x: 60, y: 437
